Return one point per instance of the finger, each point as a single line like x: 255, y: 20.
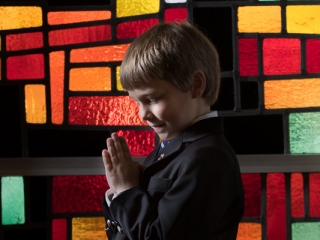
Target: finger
x: 125, y: 148
x: 112, y: 151
x: 118, y: 146
x: 106, y: 160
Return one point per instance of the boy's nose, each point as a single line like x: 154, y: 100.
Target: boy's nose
x: 145, y: 113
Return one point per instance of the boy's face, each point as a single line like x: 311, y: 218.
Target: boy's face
x: 165, y: 108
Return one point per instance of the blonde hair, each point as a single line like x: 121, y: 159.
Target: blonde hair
x: 172, y: 52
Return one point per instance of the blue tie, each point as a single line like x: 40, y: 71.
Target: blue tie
x: 162, y: 145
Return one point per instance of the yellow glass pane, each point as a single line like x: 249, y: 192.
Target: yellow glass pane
x: 56, y: 18
x: 99, y: 54
x: 295, y: 93
x: 90, y: 79
x: 249, y: 231
x: 127, y: 8
x: 57, y: 60
x: 262, y: 19
x: 303, y: 19
x: 119, y: 86
x: 88, y: 228
x: 35, y: 103
x: 20, y: 17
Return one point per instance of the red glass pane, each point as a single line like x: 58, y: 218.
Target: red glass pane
x: 313, y: 55
x: 59, y: 229
x: 80, y: 35
x: 134, y: 28
x: 78, y: 193
x: 281, y: 56
x: 252, y: 193
x: 24, y: 41
x: 107, y: 110
x: 141, y: 142
x: 248, y: 56
x: 314, y: 190
x: 276, y: 207
x: 297, y: 201
x: 175, y: 15
x: 30, y: 67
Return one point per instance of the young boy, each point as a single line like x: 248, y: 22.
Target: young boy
x: 192, y: 188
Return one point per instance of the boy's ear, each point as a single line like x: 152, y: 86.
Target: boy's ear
x: 198, y: 83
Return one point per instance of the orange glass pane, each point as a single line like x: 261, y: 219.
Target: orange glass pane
x: 88, y: 228
x: 57, y: 60
x: 90, y: 79
x: 35, y: 103
x: 263, y: 19
x: 293, y: 93
x: 249, y: 231
x: 99, y: 54
x: 20, y: 17
x: 104, y: 110
x: 56, y: 18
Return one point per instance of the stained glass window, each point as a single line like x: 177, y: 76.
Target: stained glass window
x: 61, y: 97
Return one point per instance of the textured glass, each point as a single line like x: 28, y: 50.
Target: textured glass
x: 80, y: 35
x: 35, y: 103
x: 276, y: 207
x: 87, y: 190
x: 294, y: 93
x: 30, y: 67
x: 175, y: 15
x: 248, y: 56
x: 175, y: 1
x: 90, y: 79
x: 133, y: 29
x: 99, y: 54
x: 119, y: 85
x: 59, y: 229
x: 297, y: 200
x: 303, y: 19
x: 304, y: 132
x: 88, y: 228
x: 20, y: 17
x: 262, y: 19
x: 127, y: 8
x: 57, y: 18
x: 141, y: 142
x: 12, y: 200
x: 281, y: 56
x: 306, y: 231
x: 57, y: 60
x: 313, y: 55
x: 249, y: 231
x: 107, y: 110
x: 314, y: 194
x: 252, y: 193
x: 24, y: 41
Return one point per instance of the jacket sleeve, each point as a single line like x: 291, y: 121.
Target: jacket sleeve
x: 203, y: 202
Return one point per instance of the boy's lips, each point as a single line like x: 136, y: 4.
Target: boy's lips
x: 156, y: 126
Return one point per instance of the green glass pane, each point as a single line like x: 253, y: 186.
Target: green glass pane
x: 12, y: 200
x: 306, y: 230
x: 304, y: 132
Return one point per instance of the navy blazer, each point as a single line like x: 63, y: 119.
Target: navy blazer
x: 194, y: 192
